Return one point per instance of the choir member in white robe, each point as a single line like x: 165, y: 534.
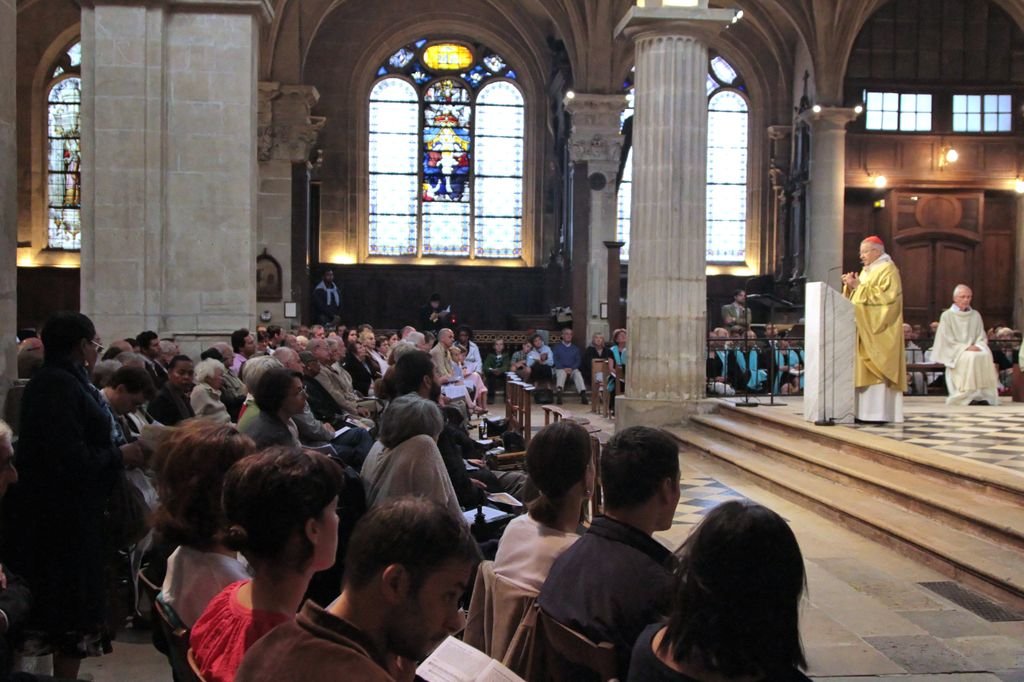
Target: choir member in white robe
x: 962, y: 346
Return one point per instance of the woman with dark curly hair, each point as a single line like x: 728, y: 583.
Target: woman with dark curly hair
x: 190, y: 466
x: 281, y: 505
x: 69, y: 458
x: 736, y: 609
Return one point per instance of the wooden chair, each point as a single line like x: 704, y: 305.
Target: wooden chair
x: 1017, y: 386
x: 150, y: 590
x: 568, y: 650
x: 194, y: 667
x: 598, y: 441
x: 519, y: 405
x: 599, y: 386
x: 177, y: 639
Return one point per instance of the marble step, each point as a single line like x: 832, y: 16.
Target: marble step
x: 991, y: 567
x: 924, y: 462
x: 960, y: 506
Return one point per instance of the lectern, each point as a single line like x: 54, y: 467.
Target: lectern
x: 830, y: 348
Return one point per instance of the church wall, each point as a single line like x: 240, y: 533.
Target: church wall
x: 8, y: 188
x: 341, y: 64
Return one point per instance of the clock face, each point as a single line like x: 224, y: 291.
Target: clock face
x: 265, y: 316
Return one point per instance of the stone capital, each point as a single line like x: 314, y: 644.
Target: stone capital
x: 824, y: 119
x: 702, y: 23
x: 599, y: 112
x: 285, y: 129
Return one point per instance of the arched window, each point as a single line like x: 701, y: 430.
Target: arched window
x: 726, y: 169
x: 446, y: 154
x: 63, y: 152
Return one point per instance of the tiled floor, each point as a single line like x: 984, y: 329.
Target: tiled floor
x: 994, y: 438
x: 866, y: 614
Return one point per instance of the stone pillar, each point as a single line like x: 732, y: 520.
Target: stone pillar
x: 8, y: 199
x: 169, y: 166
x: 827, y: 193
x: 1018, y: 268
x: 667, y: 284
x: 287, y: 134
x: 596, y: 140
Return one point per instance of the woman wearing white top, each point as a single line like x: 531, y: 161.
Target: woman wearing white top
x: 561, y: 466
x: 191, y: 465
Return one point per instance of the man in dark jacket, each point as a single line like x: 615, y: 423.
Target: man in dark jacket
x: 327, y: 300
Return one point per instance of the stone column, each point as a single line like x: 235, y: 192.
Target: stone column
x: 8, y: 199
x: 1018, y: 268
x: 667, y: 307
x: 596, y: 140
x: 287, y: 134
x: 827, y: 193
x: 169, y: 166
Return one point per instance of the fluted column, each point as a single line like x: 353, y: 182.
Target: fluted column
x: 667, y: 303
x: 596, y: 140
x: 827, y: 189
x: 8, y: 199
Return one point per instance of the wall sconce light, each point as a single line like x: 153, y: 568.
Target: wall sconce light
x: 858, y: 110
x: 1019, y: 185
x: 948, y: 155
x: 879, y: 181
x: 816, y: 108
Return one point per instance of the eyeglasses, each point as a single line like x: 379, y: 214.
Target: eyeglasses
x: 99, y: 346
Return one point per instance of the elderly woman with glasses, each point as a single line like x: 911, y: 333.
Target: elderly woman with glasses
x: 69, y: 459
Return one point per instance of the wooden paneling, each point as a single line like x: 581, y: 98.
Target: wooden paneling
x: 938, y: 240
x: 42, y: 291
x: 390, y: 296
x: 916, y: 269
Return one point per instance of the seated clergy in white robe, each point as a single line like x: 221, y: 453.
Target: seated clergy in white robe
x: 961, y: 345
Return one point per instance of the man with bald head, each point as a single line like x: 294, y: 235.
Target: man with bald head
x: 880, y: 371
x: 962, y: 346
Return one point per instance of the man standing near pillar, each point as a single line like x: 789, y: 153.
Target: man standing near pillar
x: 880, y: 374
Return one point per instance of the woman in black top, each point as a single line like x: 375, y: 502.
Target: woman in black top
x: 736, y: 606
x: 69, y: 457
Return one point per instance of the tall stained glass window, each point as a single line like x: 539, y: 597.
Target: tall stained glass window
x: 63, y: 152
x: 726, y: 170
x: 446, y: 154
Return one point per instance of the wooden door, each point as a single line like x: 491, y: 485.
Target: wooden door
x: 936, y: 244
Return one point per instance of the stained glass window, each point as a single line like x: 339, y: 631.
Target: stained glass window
x: 63, y: 154
x: 727, y: 178
x: 446, y: 155
x: 726, y: 169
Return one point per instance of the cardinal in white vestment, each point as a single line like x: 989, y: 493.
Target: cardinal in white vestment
x: 962, y: 346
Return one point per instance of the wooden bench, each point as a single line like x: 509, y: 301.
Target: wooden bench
x: 926, y: 368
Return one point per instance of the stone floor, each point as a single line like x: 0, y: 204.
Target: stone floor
x: 866, y: 615
x: 983, y: 433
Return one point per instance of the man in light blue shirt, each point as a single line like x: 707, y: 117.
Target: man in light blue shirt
x: 567, y: 364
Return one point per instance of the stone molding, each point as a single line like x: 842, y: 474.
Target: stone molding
x: 596, y: 148
x: 262, y: 8
x: 285, y: 130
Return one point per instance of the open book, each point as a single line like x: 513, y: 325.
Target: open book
x: 456, y: 661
